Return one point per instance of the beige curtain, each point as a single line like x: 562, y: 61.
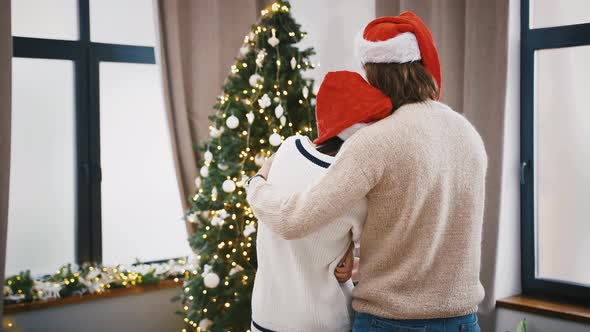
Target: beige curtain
x: 5, y: 105
x: 472, y: 39
x: 198, y: 41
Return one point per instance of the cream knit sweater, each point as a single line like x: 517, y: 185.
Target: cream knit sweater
x: 423, y: 171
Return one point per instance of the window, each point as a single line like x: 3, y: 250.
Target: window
x: 555, y: 156
x: 92, y: 174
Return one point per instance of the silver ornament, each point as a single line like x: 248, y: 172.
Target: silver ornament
x: 228, y: 186
x: 305, y: 92
x: 254, y: 79
x: 275, y: 139
x: 232, y: 122
x: 273, y: 41
x: 259, y: 159
x: 250, y: 117
x: 204, y: 171
x: 211, y: 280
x: 208, y: 156
x: 279, y: 111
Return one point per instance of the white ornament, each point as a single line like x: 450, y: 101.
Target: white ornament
x: 293, y: 63
x: 244, y: 50
x: 275, y: 139
x: 235, y: 270
x: 198, y: 182
x: 228, y: 186
x: 211, y: 280
x: 260, y: 58
x: 222, y: 214
x: 215, y: 133
x: 250, y: 117
x: 191, y: 217
x: 242, y: 182
x: 204, y: 171
x: 254, y: 79
x: 193, y: 259
x: 217, y: 221
x: 249, y: 229
x: 264, y: 102
x: 279, y: 111
x: 259, y: 159
x: 208, y: 156
x: 251, y: 35
x: 232, y: 122
x: 214, y: 193
x: 222, y: 167
x: 305, y: 92
x: 283, y: 121
x: 273, y: 41
x: 204, y: 324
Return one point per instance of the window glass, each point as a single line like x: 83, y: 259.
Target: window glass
x: 141, y: 207
x: 563, y: 164
x: 42, y: 203
x: 129, y: 22
x: 55, y: 19
x: 551, y: 13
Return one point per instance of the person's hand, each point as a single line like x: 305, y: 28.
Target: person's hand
x: 343, y: 271
x: 266, y: 167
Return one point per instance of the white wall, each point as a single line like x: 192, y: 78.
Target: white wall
x: 507, y: 321
x: 332, y: 29
x: 150, y: 312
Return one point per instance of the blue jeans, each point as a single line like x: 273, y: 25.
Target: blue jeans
x: 368, y: 323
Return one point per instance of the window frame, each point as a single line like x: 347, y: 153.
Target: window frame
x: 533, y: 39
x: 86, y: 56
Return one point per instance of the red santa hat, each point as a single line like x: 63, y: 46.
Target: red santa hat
x: 345, y: 102
x: 400, y: 39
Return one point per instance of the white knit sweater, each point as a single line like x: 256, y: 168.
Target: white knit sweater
x: 422, y: 170
x: 295, y: 288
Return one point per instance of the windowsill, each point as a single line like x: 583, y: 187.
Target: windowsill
x: 22, y: 307
x: 544, y: 307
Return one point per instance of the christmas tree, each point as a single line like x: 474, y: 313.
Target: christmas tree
x: 265, y: 99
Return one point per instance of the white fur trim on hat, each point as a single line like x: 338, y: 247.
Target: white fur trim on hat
x: 348, y: 132
x: 399, y: 49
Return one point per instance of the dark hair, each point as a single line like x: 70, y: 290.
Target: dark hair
x: 403, y: 83
x: 331, y: 146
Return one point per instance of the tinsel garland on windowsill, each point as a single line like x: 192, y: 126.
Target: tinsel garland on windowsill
x: 89, y: 278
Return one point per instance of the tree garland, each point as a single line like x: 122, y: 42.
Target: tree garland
x: 90, y: 278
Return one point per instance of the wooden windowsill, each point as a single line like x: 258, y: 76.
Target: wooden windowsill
x: 544, y: 307
x: 21, y: 307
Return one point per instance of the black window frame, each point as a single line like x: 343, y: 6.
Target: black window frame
x: 533, y: 39
x: 86, y: 56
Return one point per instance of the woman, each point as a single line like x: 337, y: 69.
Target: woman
x: 295, y: 288
x: 422, y: 170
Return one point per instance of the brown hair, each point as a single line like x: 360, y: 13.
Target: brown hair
x: 403, y: 83
x: 330, y: 146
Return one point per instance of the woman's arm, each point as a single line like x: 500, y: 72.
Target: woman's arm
x: 296, y: 214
